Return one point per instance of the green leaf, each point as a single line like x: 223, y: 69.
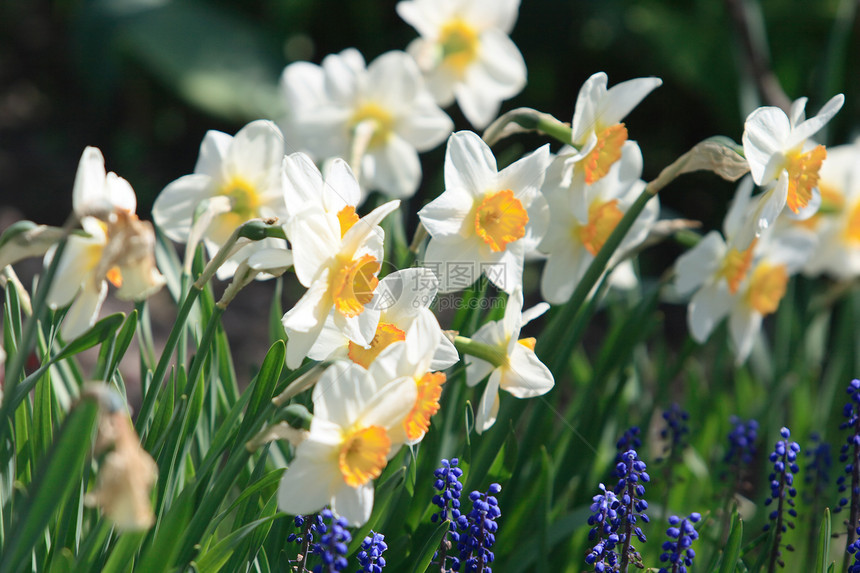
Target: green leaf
x: 425, y: 556
x: 823, y: 553
x: 122, y: 342
x: 100, y: 332
x: 271, y: 479
x: 42, y: 416
x: 58, y: 475
x: 216, y: 557
x: 503, y: 466
x: 732, y: 551
x: 264, y: 385
x: 162, y: 552
x: 163, y: 413
x: 122, y: 556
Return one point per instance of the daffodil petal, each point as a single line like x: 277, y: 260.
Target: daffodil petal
x: 706, y: 309
x: 695, y: 266
x: 814, y: 124
x: 397, y: 168
x: 765, y: 130
x: 354, y: 504
x: 623, y: 97
x: 469, y: 164
x: 84, y: 311
x: 526, y: 376
x: 306, y: 486
x: 447, y: 214
x: 488, y: 408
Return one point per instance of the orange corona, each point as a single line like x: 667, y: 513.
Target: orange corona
x: 363, y: 455
x: 500, y: 219
x: 606, y: 152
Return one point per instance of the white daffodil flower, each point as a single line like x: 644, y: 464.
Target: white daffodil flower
x: 402, y: 299
x: 596, y: 129
x: 348, y: 445
x: 465, y: 53
x: 782, y: 160
x: 413, y: 358
x: 246, y: 169
x: 837, y: 223
x: 118, y: 248
x: 520, y: 372
x: 743, y: 283
x: 715, y: 268
x: 379, y: 116
x: 487, y: 220
x: 765, y: 285
x: 575, y: 235
x: 337, y: 256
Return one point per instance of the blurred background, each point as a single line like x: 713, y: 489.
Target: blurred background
x: 145, y: 79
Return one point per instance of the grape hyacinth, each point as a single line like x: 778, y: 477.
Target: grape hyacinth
x: 853, y: 549
x: 677, y: 551
x: 631, y: 492
x: 332, y: 547
x: 675, y: 431
x: 784, y: 459
x: 448, y: 500
x: 478, y: 531
x: 742, y: 441
x: 629, y: 440
x: 817, y: 471
x: 370, y: 557
x: 850, y: 456
x: 308, y: 526
x: 742, y: 449
x: 605, y: 521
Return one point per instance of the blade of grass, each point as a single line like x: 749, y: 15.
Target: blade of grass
x: 57, y: 477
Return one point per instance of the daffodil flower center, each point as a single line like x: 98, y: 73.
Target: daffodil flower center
x: 735, y: 266
x: 417, y: 422
x: 528, y: 342
x: 386, y: 334
x: 347, y: 217
x: 852, y: 228
x: 353, y: 283
x: 767, y: 287
x: 363, y: 454
x: 803, y: 176
x: 244, y: 205
x: 603, y: 217
x: 243, y: 197
x: 500, y: 219
x: 606, y: 151
x: 459, y: 43
x: 113, y: 274
x: 380, y: 118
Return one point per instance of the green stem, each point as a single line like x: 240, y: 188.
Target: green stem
x: 555, y: 129
x: 151, y: 391
x: 492, y: 354
x: 205, y: 345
